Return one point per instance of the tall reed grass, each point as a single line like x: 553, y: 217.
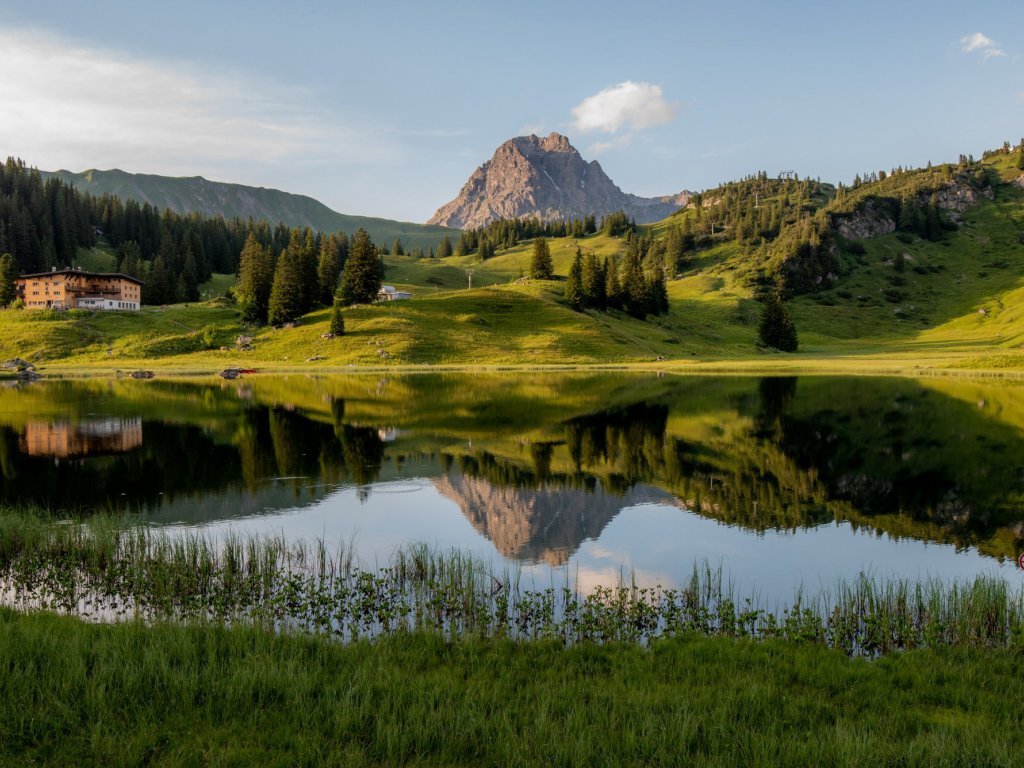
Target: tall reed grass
x: 102, y: 571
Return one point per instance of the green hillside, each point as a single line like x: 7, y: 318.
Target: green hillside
x: 914, y: 298
x: 212, y: 198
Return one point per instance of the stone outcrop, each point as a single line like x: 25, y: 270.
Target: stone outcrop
x: 870, y: 221
x: 531, y: 176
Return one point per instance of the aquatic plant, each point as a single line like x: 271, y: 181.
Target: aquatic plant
x: 101, y: 571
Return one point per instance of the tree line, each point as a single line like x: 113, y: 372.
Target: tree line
x: 43, y: 224
x: 311, y: 270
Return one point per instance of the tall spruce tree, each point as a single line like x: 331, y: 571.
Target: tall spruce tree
x: 8, y: 274
x: 574, y: 295
x: 444, y: 250
x: 634, y: 286
x: 363, y: 273
x: 613, y: 287
x: 777, y: 328
x: 329, y: 268
x: 540, y: 264
x: 593, y: 281
x: 255, y: 280
x: 286, y: 300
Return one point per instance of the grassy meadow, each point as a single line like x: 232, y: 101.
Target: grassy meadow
x: 168, y: 695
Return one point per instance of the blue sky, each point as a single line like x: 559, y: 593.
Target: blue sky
x: 385, y: 108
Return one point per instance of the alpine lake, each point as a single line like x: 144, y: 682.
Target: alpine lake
x: 580, y: 479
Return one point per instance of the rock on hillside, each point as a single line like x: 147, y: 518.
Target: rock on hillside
x: 531, y: 176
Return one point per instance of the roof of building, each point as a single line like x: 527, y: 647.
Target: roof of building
x: 82, y: 272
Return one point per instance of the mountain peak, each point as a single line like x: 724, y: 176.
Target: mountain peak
x: 545, y: 177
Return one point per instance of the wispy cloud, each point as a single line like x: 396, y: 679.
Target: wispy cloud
x: 630, y: 105
x: 72, y: 106
x: 983, y: 44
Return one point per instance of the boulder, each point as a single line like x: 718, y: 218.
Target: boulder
x: 17, y: 364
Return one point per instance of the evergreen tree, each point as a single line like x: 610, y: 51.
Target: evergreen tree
x: 932, y: 222
x: 910, y: 219
x: 8, y: 274
x: 777, y: 329
x: 634, y: 286
x: 593, y: 281
x: 255, y: 280
x: 540, y: 264
x: 189, y: 277
x: 444, y: 250
x: 574, y: 295
x: 329, y: 268
x: 158, y: 288
x: 396, y: 248
x: 363, y: 273
x: 337, y: 319
x: 286, y: 298
x: 613, y: 288
x: 657, y: 292
x: 485, y: 249
x: 129, y: 259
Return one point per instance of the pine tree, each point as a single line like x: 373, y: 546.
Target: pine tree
x: 593, y: 281
x: 158, y: 288
x: 634, y: 286
x: 337, y: 319
x: 574, y: 295
x: 129, y: 259
x: 255, y: 280
x: 363, y: 273
x: 285, y: 303
x: 540, y: 264
x: 932, y: 222
x: 189, y: 277
x: 8, y: 274
x: 777, y: 329
x: 657, y: 292
x: 444, y: 250
x: 613, y: 288
x: 485, y: 250
x: 329, y: 268
x: 396, y: 248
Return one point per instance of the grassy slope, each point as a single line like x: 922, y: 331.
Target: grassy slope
x: 80, y: 694
x: 933, y: 322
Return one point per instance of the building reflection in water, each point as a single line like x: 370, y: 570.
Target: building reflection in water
x: 71, y: 440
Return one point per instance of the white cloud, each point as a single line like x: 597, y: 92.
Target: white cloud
x: 983, y: 44
x: 69, y: 106
x: 628, y: 104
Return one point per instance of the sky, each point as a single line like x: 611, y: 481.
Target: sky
x: 385, y: 108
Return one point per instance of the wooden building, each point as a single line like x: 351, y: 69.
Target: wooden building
x: 74, y: 288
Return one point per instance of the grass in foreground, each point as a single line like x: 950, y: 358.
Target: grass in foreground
x: 127, y: 694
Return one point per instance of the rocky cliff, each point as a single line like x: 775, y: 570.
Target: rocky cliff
x: 531, y: 176
x: 545, y: 524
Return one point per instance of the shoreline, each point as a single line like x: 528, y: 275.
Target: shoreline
x: 867, y: 366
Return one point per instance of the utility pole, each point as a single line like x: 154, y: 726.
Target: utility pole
x: 469, y: 274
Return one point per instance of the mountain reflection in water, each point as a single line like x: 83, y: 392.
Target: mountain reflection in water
x: 537, y: 466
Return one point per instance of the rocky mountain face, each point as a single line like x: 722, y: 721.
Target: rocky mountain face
x: 545, y: 524
x: 531, y: 176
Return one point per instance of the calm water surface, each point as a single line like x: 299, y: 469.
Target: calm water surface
x: 783, y: 482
